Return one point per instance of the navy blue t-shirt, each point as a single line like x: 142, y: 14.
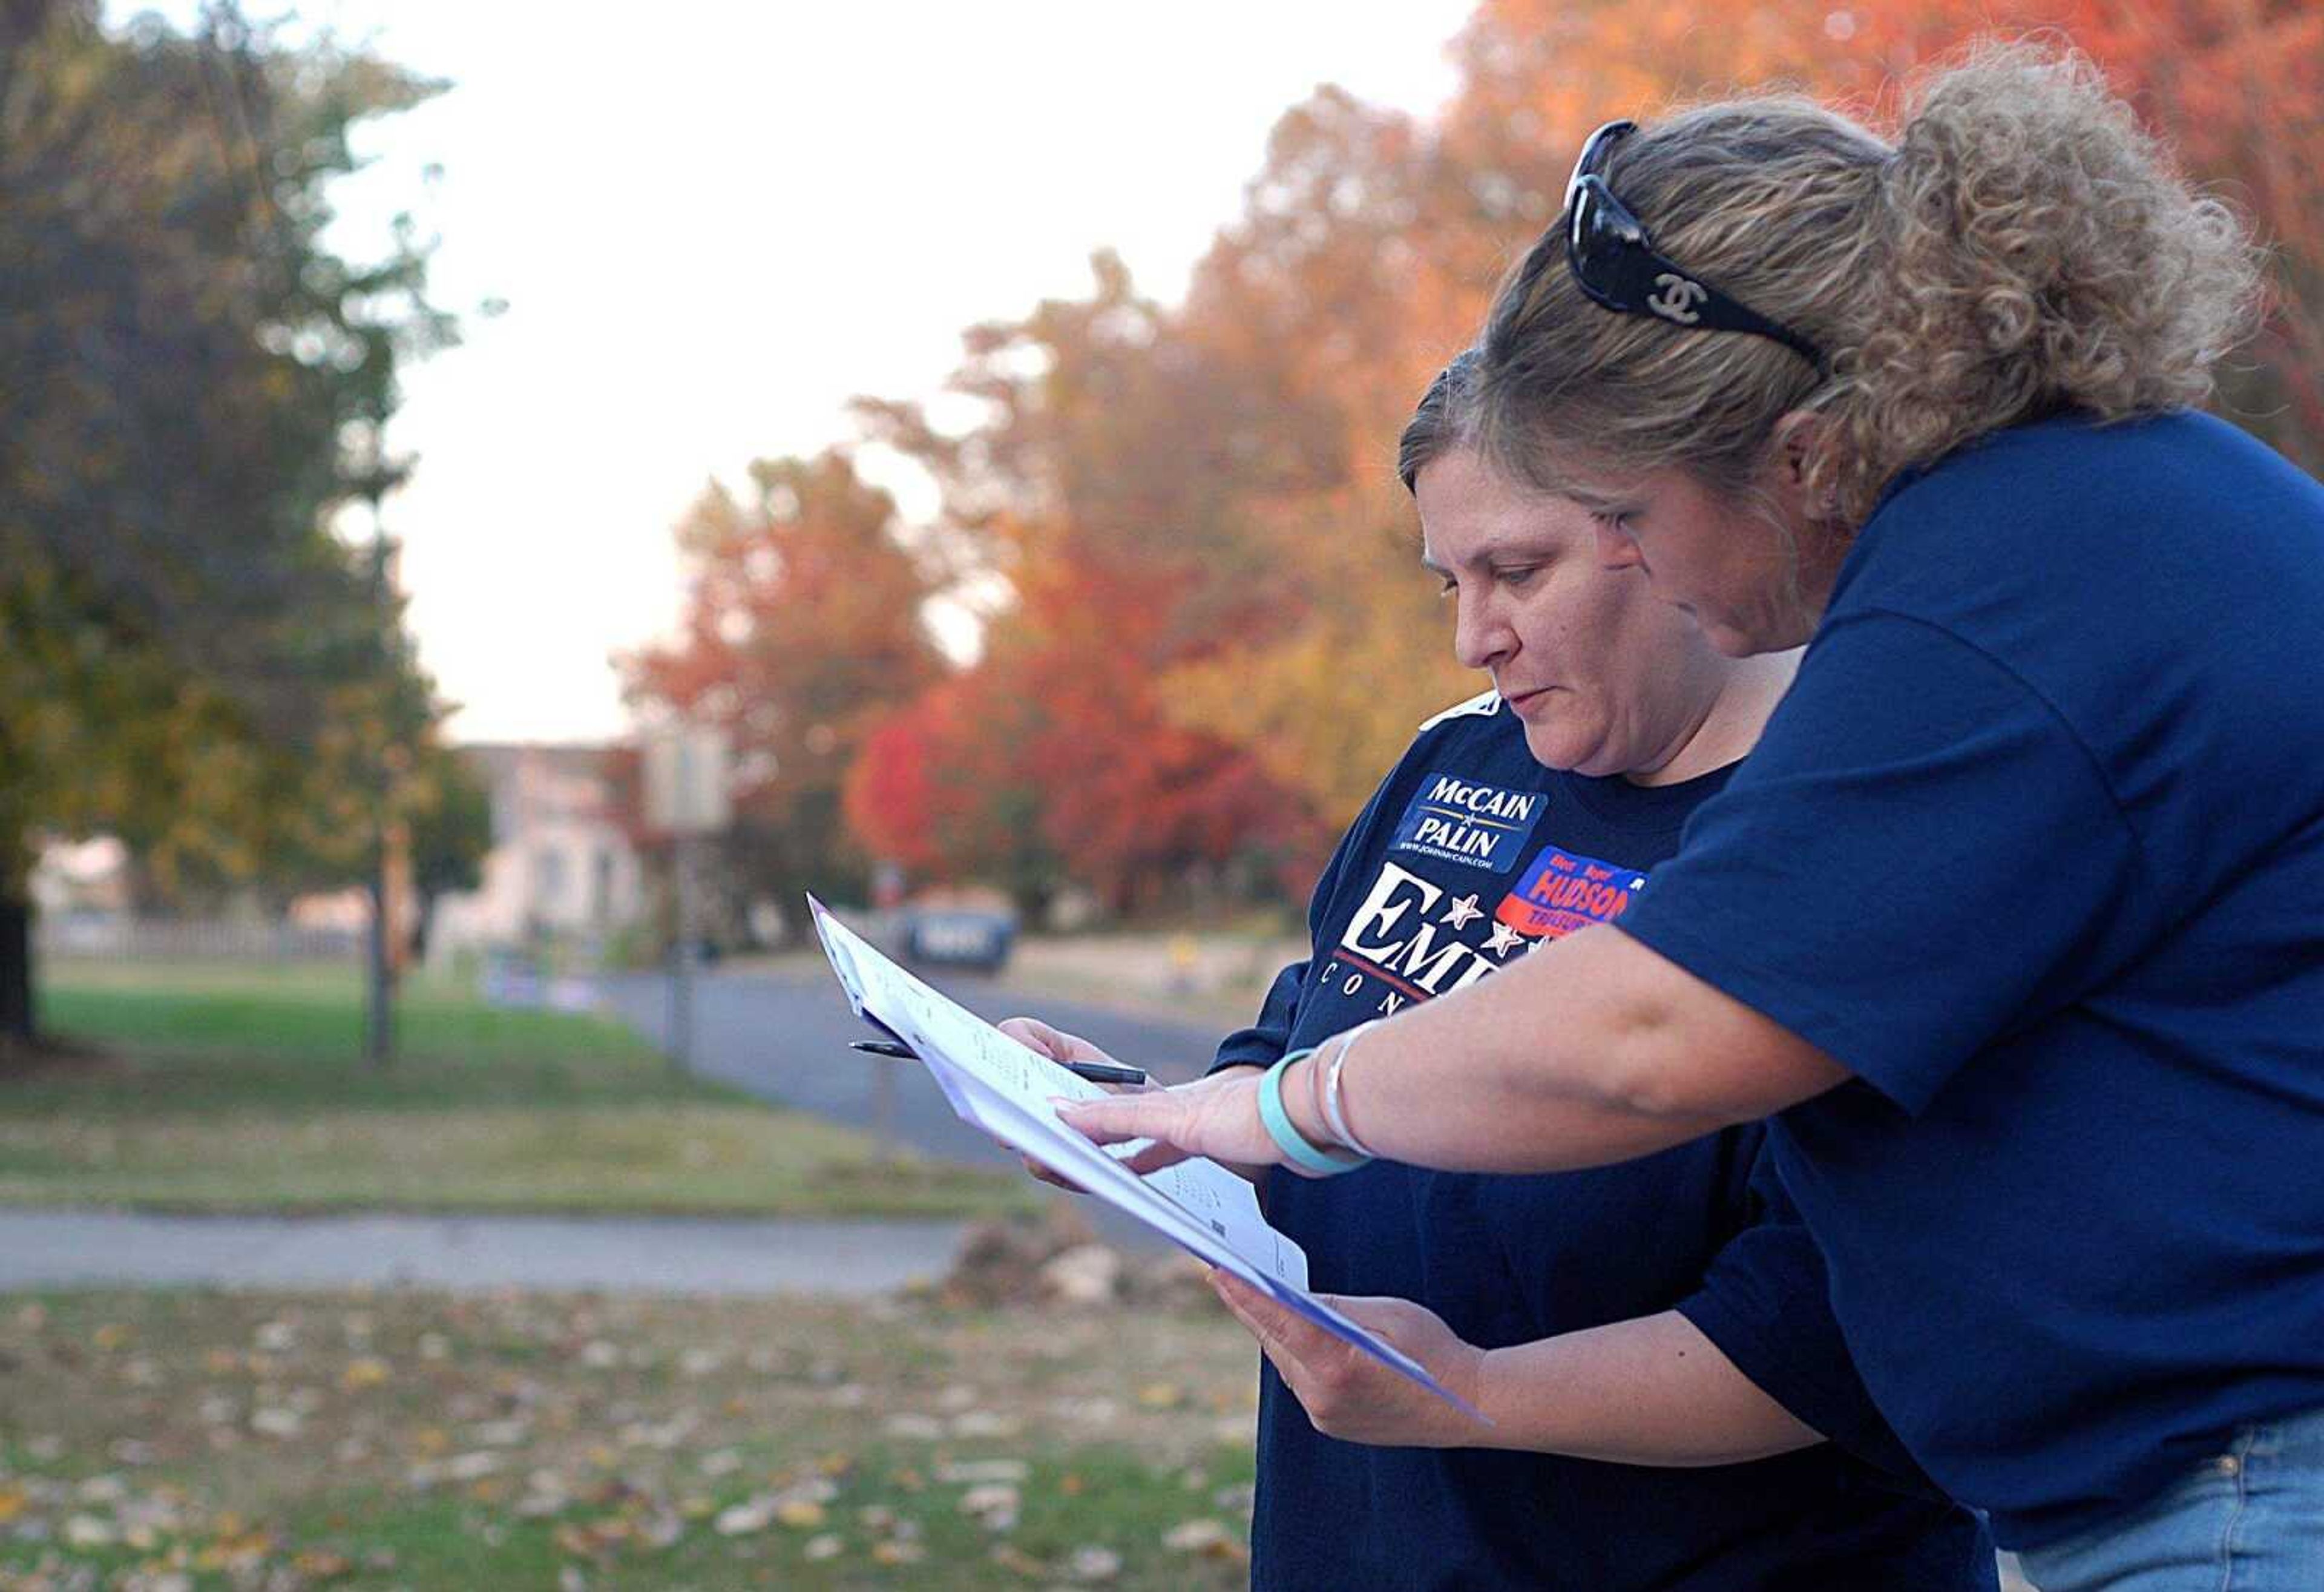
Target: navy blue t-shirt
x: 2035, y: 848
x: 1467, y: 858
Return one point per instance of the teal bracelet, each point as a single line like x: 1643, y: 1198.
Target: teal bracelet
x: 1288, y: 1138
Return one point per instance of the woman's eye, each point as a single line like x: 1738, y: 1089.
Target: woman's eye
x: 1616, y: 520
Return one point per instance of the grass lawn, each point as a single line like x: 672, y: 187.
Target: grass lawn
x: 240, y: 1088
x: 201, y: 1440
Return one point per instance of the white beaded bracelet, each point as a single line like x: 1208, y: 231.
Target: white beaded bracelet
x: 1335, y: 1114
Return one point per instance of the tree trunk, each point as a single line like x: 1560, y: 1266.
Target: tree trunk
x: 15, y: 968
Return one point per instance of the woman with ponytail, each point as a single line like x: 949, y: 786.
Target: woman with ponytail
x: 2016, y: 914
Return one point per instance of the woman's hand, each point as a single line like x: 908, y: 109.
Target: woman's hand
x: 1346, y: 1392
x: 1217, y: 1116
x: 1056, y: 1043
x: 1060, y: 1047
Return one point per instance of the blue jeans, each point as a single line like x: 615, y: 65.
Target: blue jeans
x: 2250, y: 1519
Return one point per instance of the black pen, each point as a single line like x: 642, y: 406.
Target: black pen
x: 1095, y: 1071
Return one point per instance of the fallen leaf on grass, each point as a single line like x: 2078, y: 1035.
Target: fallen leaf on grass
x: 365, y: 1370
x: 985, y: 1423
x: 1010, y: 1557
x: 968, y: 1471
x: 994, y: 1504
x: 1093, y: 1564
x: 741, y: 1520
x: 1207, y: 1538
x: 278, y: 1421
x: 87, y: 1531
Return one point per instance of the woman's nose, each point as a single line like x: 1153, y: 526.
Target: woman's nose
x: 1479, y: 636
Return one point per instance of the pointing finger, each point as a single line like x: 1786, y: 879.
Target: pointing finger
x: 1117, y: 1117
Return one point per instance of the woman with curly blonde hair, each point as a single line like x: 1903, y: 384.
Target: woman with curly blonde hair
x: 2016, y: 915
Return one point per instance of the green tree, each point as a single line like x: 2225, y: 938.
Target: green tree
x: 193, y: 385
x: 451, y: 829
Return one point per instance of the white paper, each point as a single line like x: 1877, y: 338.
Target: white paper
x: 1005, y: 1088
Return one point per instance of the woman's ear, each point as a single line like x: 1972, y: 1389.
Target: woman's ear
x: 1795, y: 448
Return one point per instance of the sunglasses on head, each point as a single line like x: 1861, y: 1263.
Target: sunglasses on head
x: 1614, y: 261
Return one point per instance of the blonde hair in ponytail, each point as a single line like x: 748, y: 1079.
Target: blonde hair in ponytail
x: 2023, y: 249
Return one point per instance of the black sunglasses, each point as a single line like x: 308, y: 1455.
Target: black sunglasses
x: 1614, y: 261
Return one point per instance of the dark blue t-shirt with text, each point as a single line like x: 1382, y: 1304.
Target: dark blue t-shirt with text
x: 2034, y: 847
x: 1469, y: 855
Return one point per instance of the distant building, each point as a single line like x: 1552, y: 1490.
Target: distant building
x: 82, y: 876
x: 560, y: 865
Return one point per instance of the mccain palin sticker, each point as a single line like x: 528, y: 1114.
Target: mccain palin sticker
x: 1459, y: 820
x: 1564, y: 891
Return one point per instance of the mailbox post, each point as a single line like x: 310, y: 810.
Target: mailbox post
x: 686, y: 799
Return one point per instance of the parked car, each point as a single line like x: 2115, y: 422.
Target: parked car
x: 958, y: 937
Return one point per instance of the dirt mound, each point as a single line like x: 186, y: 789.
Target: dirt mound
x: 1057, y: 1259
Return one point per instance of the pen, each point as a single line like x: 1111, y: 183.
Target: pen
x: 1095, y: 1071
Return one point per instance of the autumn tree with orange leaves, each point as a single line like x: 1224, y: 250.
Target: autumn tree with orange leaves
x: 1214, y: 634
x: 802, y: 627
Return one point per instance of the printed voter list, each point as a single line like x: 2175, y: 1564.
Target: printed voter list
x: 1004, y: 1089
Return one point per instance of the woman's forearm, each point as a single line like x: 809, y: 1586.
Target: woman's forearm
x: 1591, y: 1050
x: 1654, y: 1390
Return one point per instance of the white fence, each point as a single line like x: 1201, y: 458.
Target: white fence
x: 118, y: 938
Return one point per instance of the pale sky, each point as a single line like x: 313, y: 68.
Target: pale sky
x: 714, y: 224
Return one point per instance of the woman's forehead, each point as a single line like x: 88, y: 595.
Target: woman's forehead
x: 1469, y: 510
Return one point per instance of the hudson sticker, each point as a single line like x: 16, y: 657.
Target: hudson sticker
x: 1560, y: 891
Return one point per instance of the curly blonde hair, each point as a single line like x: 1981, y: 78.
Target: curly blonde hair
x: 2023, y: 249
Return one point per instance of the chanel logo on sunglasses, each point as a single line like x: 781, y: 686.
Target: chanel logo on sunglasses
x: 1677, y: 298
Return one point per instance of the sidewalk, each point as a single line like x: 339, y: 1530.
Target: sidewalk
x: 81, y: 1249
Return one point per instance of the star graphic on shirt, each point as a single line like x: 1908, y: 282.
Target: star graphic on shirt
x: 1459, y: 913
x: 1503, y: 938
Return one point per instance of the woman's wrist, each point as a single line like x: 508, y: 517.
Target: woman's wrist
x: 1303, y: 1146
x: 1302, y: 1096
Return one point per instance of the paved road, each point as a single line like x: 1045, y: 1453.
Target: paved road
x: 784, y: 1035
x: 86, y: 1248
